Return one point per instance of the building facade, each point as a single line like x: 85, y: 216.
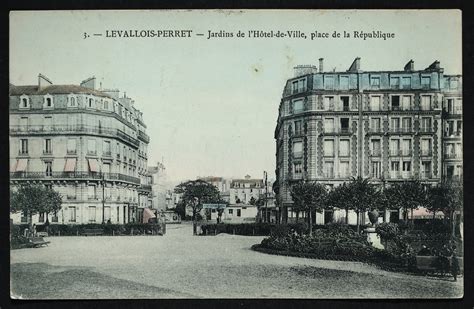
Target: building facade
x: 88, y: 144
x: 388, y: 126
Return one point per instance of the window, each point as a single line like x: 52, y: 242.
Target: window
x: 376, y: 168
x: 24, y: 102
x: 459, y: 127
x: 344, y: 82
x: 48, y: 168
x: 426, y: 169
x: 91, y: 146
x: 107, y: 151
x: 406, y: 147
x: 375, y: 103
x: 298, y: 106
x: 47, y: 123
x: 395, y: 166
x: 23, y: 124
x: 328, y: 169
x: 91, y: 103
x: 48, y: 101
x: 41, y: 217
x: 106, y: 105
x: 106, y: 168
x: 297, y: 149
x: 376, y: 148
x: 344, y: 169
x: 406, y: 102
x: 425, y: 82
x: 231, y: 211
x: 458, y: 106
x: 345, y: 103
x: 344, y: 125
x: 23, y: 146
x: 394, y: 82
x: 375, y: 82
x: 329, y: 148
x: 328, y: 82
x: 375, y: 125
x: 406, y: 124
x: 344, y: 148
x: 92, y: 213
x: 72, y: 101
x: 71, y: 146
x: 395, y: 100
x: 299, y: 85
x: 297, y: 169
x: 395, y: 124
x: 453, y: 83
x: 238, y: 212
x: 426, y: 147
x: 47, y: 146
x: 329, y: 103
x: 107, y: 213
x: 91, y: 192
x: 425, y: 102
x: 425, y: 124
x: 407, y: 166
x: 298, y: 127
x: 72, y: 213
x: 406, y: 82
x: 395, y: 147
x: 329, y: 125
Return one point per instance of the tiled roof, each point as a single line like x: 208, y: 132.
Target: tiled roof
x: 55, y: 89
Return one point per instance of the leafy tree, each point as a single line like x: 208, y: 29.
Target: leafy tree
x: 408, y: 195
x: 362, y: 196
x: 309, y: 196
x: 181, y: 209
x: 34, y: 199
x: 448, y: 198
x: 252, y: 201
x: 339, y: 197
x: 195, y: 193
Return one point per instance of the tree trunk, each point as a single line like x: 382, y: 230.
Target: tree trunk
x: 347, y: 216
x: 194, y: 222
x: 384, y: 214
x: 453, y: 224
x: 297, y: 216
x: 310, y: 224
x: 412, y: 219
x: 358, y: 221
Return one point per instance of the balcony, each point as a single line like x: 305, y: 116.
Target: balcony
x: 74, y: 175
x: 375, y: 153
x: 107, y: 154
x: 376, y: 130
x: 425, y: 175
x: 329, y: 131
x: 452, y: 156
x: 145, y: 187
x: 426, y: 152
x: 426, y: 130
x: 297, y: 154
x: 72, y: 129
x: 143, y: 136
x: 401, y: 130
x: 395, y: 153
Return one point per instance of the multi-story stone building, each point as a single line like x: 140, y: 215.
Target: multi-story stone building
x: 88, y: 144
x: 382, y: 125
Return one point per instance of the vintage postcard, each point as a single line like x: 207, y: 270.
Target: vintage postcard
x: 236, y: 154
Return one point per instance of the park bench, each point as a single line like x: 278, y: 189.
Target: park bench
x: 93, y: 232
x: 36, y: 242
x: 42, y: 234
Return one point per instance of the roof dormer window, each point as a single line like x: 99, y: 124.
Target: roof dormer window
x: 24, y: 102
x: 72, y: 101
x: 48, y: 101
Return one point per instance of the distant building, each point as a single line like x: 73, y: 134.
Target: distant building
x: 159, y: 187
x: 389, y: 126
x: 222, y: 184
x: 86, y: 143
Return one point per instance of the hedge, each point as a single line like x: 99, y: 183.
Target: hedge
x: 108, y: 229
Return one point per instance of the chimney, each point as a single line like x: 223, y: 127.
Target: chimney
x: 321, y: 63
x: 43, y: 81
x: 410, y: 66
x: 434, y: 66
x: 89, y: 83
x: 355, y: 66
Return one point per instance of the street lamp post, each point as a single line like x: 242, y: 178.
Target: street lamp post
x: 266, y: 196
x: 103, y: 198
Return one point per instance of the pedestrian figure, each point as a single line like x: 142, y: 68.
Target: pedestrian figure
x: 34, y: 230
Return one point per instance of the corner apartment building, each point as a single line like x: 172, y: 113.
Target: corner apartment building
x: 388, y: 126
x: 88, y: 144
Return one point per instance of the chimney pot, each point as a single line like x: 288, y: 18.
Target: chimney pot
x: 321, y: 65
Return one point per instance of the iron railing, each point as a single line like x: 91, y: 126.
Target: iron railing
x: 74, y: 175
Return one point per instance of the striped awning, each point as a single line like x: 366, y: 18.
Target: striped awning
x: 93, y: 166
x: 70, y: 165
x: 423, y: 213
x: 147, y: 215
x: 13, y: 166
x: 21, y: 165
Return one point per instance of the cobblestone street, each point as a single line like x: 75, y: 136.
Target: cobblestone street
x: 180, y: 265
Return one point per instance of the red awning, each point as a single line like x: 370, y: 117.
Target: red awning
x: 148, y: 214
x: 93, y: 166
x: 70, y: 165
x: 13, y: 166
x: 423, y: 213
x: 21, y: 166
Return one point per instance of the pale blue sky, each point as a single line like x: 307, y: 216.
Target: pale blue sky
x: 211, y: 105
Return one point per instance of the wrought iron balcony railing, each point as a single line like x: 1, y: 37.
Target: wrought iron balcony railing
x: 74, y: 175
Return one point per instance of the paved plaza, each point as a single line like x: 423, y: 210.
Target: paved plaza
x: 180, y: 265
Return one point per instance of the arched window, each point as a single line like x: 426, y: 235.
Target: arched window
x: 24, y: 101
x: 48, y: 101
